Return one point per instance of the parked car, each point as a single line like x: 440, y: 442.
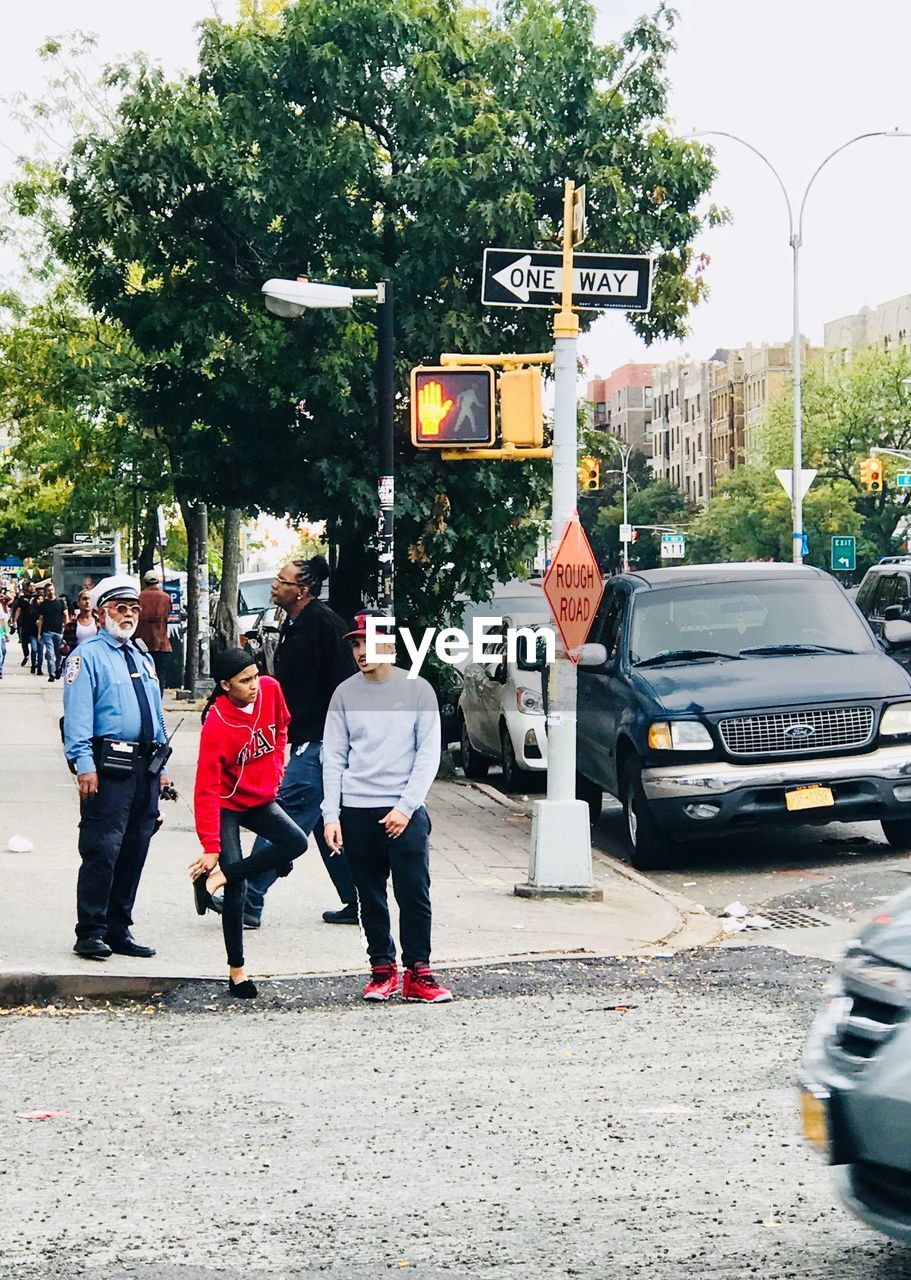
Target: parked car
x: 885, y: 596
x: 855, y: 1081
x: 740, y: 695
x: 262, y: 638
x: 254, y: 598
x: 501, y: 710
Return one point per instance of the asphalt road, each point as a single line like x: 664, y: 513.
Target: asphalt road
x: 532, y: 1128
x: 839, y: 873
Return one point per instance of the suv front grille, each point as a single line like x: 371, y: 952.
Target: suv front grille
x: 797, y: 732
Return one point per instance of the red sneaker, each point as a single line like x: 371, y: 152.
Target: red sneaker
x: 384, y: 982
x: 420, y: 984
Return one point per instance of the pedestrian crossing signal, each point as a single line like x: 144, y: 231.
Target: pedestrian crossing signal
x: 589, y: 472
x: 452, y: 408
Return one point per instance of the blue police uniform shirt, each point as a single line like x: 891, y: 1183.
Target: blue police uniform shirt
x: 99, y: 701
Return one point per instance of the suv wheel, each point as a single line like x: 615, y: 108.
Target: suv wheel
x: 473, y: 764
x: 649, y: 848
x: 898, y: 832
x: 592, y: 795
x: 514, y: 776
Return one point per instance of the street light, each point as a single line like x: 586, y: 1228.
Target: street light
x: 290, y: 299
x: 795, y: 238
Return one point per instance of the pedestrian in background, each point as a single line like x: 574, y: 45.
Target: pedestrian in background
x: 240, y: 767
x: 115, y: 738
x: 52, y: 618
x: 81, y: 626
x: 381, y: 752
x: 153, y: 621
x: 35, y: 647
x: 4, y: 635
x: 17, y: 619
x: 311, y: 660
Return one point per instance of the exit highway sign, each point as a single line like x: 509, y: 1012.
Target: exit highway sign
x: 534, y: 278
x: 844, y: 554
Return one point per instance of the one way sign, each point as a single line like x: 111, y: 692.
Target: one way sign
x: 534, y: 278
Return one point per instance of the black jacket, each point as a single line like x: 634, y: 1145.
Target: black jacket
x: 311, y: 660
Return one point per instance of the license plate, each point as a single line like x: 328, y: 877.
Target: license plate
x: 808, y: 798
x: 814, y: 1122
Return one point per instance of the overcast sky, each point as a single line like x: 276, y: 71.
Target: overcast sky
x: 796, y: 78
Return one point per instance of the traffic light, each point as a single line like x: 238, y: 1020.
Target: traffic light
x: 452, y: 408
x: 521, y: 412
x: 871, y: 474
x: 589, y: 474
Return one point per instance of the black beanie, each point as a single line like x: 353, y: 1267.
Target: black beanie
x: 230, y: 662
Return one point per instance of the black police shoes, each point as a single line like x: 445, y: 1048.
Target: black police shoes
x: 92, y: 949
x: 126, y: 945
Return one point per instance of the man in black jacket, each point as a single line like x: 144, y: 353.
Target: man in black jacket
x: 311, y: 660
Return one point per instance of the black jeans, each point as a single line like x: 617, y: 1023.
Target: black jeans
x: 115, y: 828
x: 286, y: 842
x: 372, y: 857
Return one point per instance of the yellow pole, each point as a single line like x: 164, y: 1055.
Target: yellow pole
x: 566, y: 322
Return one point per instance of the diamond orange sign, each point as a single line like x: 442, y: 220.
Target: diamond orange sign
x: 574, y: 587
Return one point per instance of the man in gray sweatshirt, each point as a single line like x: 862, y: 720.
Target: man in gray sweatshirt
x: 381, y: 752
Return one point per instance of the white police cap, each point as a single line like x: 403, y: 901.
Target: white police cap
x: 119, y: 586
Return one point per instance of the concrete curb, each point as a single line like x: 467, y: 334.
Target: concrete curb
x: 17, y: 989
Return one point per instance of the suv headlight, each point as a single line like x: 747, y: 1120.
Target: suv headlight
x: 896, y: 720
x: 679, y: 735
x: 529, y: 702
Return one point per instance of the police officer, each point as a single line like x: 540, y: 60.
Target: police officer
x: 114, y: 736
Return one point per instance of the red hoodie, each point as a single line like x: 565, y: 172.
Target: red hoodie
x: 241, y: 759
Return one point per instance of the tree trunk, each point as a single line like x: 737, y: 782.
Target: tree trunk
x: 354, y: 580
x: 224, y: 630
x: 191, y: 640
x: 149, y: 541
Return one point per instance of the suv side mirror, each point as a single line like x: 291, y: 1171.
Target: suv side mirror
x: 897, y: 631
x: 497, y: 670
x: 893, y: 613
x: 593, y: 655
x: 536, y: 661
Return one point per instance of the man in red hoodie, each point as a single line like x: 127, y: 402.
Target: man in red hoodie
x: 241, y: 761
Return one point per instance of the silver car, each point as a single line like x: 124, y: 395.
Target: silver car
x: 855, y: 1076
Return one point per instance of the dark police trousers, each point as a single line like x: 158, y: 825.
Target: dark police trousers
x: 115, y: 828
x: 373, y: 856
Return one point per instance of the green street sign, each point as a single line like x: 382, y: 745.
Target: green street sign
x: 844, y: 554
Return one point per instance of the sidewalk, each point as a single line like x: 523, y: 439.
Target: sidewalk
x: 479, y: 852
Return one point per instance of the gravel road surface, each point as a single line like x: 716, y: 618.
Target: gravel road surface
x: 530, y: 1129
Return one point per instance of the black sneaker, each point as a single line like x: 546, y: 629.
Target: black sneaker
x: 345, y: 915
x: 92, y: 949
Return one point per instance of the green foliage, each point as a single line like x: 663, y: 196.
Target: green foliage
x: 655, y: 503
x: 848, y: 408
x: 351, y: 142
x: 750, y: 519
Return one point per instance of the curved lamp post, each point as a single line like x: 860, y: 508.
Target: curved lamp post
x: 795, y: 238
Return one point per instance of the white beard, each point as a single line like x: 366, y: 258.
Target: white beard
x: 119, y: 630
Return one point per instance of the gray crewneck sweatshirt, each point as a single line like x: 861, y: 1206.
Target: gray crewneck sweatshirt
x: 381, y: 744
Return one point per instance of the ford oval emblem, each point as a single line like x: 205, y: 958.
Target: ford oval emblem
x: 798, y: 732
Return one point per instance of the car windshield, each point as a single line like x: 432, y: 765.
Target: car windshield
x: 254, y: 595
x: 774, y: 615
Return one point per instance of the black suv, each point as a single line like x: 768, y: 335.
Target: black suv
x: 739, y: 695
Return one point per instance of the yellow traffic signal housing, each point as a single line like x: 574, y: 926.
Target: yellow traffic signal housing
x: 521, y: 411
x: 871, y: 474
x: 589, y: 474
x: 452, y: 408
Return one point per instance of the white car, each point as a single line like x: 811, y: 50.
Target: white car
x: 501, y: 710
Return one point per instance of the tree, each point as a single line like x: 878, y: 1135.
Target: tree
x: 655, y: 503
x: 849, y: 408
x: 355, y: 141
x: 749, y: 518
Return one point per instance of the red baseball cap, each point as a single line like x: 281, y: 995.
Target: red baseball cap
x: 360, y: 624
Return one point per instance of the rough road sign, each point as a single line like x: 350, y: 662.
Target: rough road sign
x: 534, y: 278
x: 574, y: 587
